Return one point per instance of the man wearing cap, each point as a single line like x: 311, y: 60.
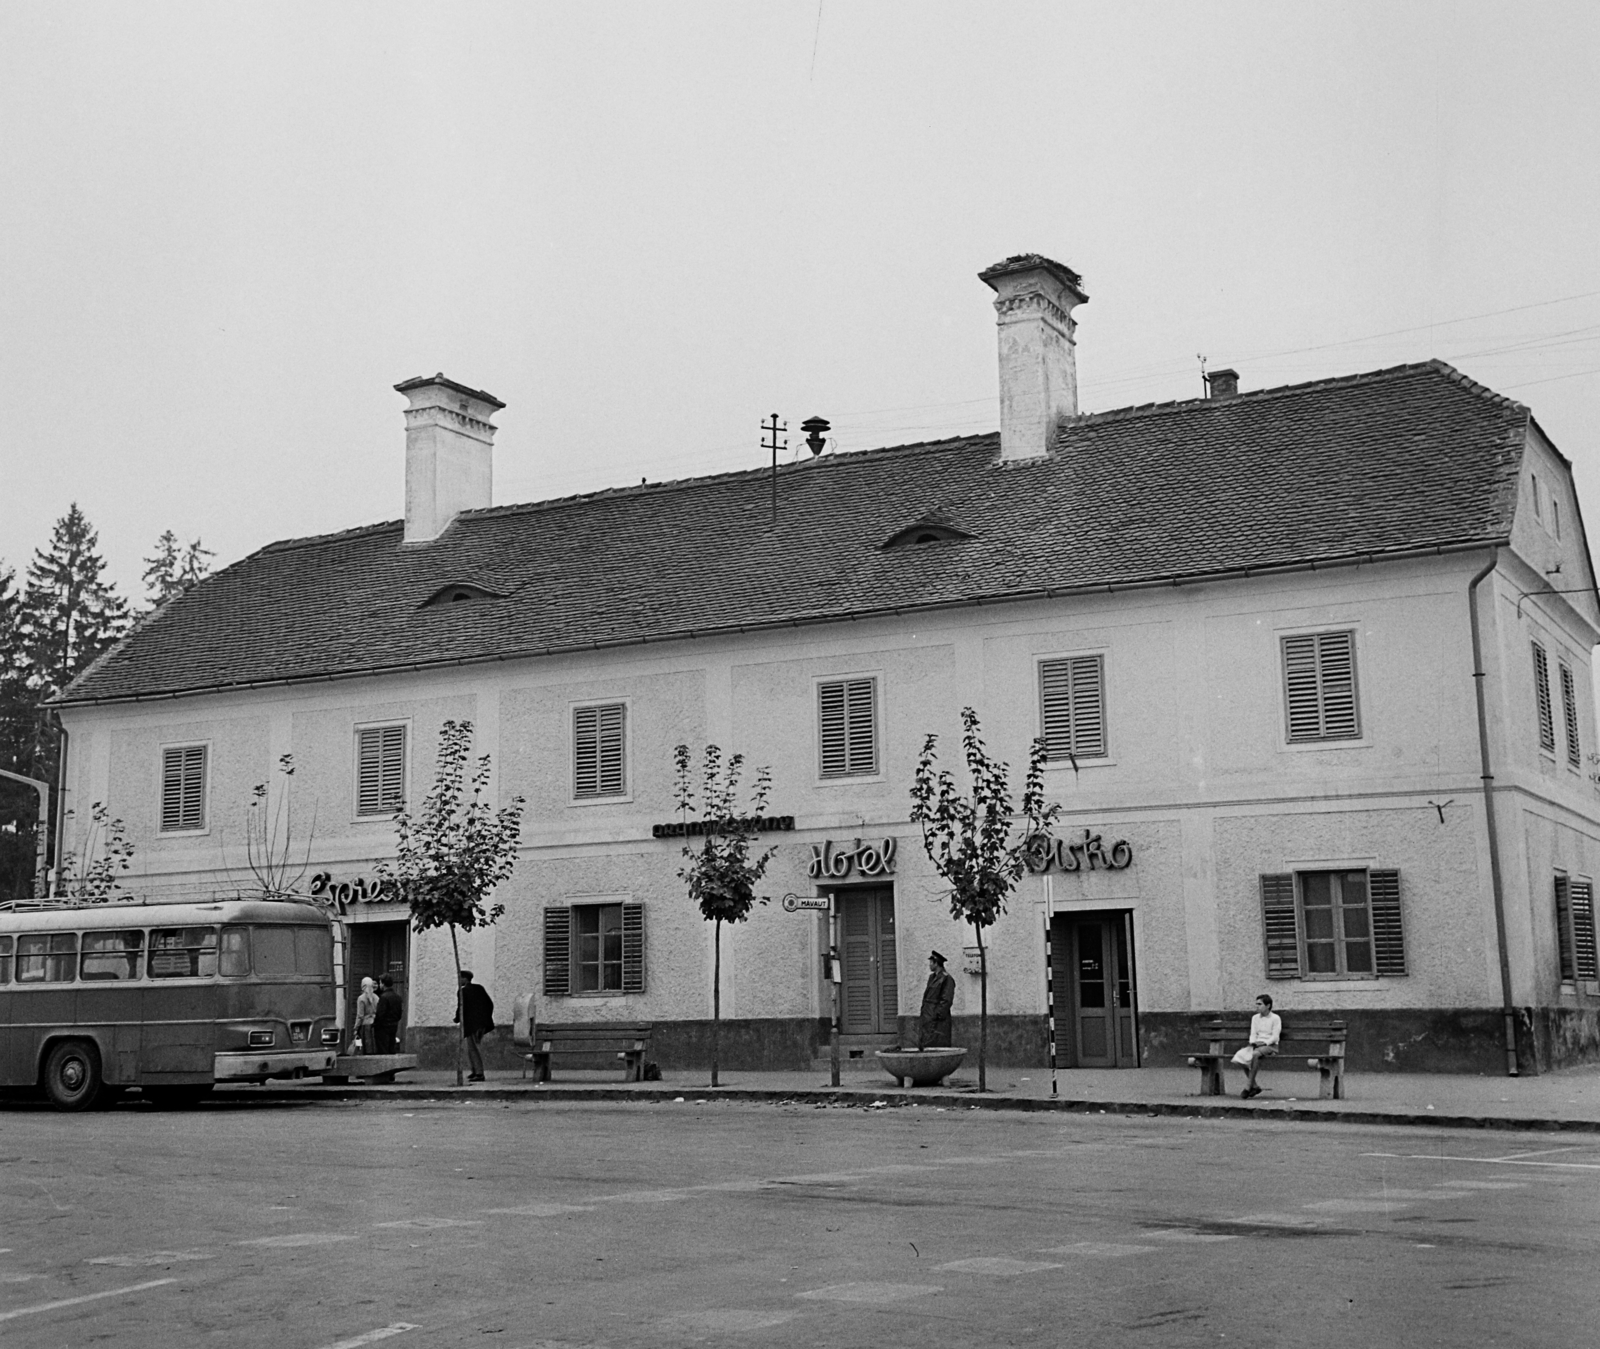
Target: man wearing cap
x: 940, y: 993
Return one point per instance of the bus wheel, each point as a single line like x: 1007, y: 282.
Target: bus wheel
x: 72, y: 1075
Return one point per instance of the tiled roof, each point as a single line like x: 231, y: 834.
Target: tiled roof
x: 1416, y: 457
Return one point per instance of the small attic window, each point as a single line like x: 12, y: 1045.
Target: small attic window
x: 457, y: 592
x: 925, y: 531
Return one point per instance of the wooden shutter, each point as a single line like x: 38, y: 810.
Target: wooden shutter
x: 380, y: 769
x: 557, y: 951
x: 633, y: 948
x: 1388, y: 932
x: 856, y: 935
x: 888, y: 965
x: 1569, y: 711
x: 1319, y: 679
x: 599, y: 751
x: 1584, y: 963
x: 1564, y: 952
x: 183, y: 787
x: 1072, y: 707
x: 1280, y: 926
x: 1541, y: 696
x: 847, y: 727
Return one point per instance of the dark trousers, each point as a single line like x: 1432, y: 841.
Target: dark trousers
x: 384, y: 1033
x: 474, y: 1053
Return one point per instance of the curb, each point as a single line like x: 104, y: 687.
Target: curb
x: 1196, y: 1109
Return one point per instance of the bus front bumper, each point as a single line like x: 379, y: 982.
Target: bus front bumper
x: 260, y: 1067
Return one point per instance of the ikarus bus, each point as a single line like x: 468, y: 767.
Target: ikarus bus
x: 171, y: 998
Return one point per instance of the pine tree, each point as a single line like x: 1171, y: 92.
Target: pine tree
x: 19, y: 807
x: 173, y: 569
x: 70, y: 614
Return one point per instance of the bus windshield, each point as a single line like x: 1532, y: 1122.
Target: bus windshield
x: 278, y: 950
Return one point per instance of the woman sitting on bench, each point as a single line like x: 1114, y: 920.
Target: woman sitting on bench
x: 1265, y: 1028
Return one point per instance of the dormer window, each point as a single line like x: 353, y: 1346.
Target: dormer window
x: 925, y: 530
x: 458, y: 592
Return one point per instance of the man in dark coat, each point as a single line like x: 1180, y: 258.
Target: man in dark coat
x: 475, y: 1012
x: 386, y: 1020
x: 936, y: 1000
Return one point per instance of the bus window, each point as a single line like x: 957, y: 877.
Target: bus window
x: 47, y: 959
x: 111, y: 955
x: 313, y: 951
x: 235, y: 959
x: 183, y: 952
x: 5, y: 960
x: 272, y: 949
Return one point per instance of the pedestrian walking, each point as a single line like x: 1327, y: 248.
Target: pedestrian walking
x: 386, y: 1020
x: 937, y: 998
x: 475, y: 1012
x: 1265, y: 1028
x: 366, y: 1041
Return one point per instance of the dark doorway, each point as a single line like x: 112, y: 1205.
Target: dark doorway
x: 866, y: 939
x: 1096, y: 995
x: 377, y: 949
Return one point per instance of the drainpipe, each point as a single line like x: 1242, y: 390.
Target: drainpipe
x: 61, y: 798
x: 1487, y: 777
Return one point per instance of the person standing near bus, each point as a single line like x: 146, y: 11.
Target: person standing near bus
x: 366, y: 1013
x: 386, y: 1020
x: 475, y: 1012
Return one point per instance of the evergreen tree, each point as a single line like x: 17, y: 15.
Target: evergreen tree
x: 70, y: 614
x: 172, y: 569
x: 19, y: 807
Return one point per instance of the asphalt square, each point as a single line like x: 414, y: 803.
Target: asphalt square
x: 291, y: 1239
x: 1187, y: 1234
x: 427, y: 1223
x: 1003, y: 1265
x: 871, y: 1292
x: 1098, y: 1249
x: 1418, y: 1194
x: 730, y: 1321
x: 1357, y: 1205
x: 542, y: 1210
x: 143, y: 1258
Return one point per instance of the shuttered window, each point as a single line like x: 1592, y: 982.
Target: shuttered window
x: 847, y: 716
x: 1575, y: 937
x: 593, y: 948
x: 1333, y: 924
x: 1569, y: 711
x: 1319, y: 682
x: 599, y: 751
x: 380, y: 770
x: 1541, y: 699
x: 1072, y: 707
x: 183, y: 787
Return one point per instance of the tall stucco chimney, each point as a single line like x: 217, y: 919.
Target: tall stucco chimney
x: 1034, y: 298
x: 449, y: 453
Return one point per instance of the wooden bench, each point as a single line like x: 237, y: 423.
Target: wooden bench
x: 1320, y: 1043
x: 594, y: 1043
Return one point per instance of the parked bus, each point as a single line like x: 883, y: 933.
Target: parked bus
x: 171, y: 998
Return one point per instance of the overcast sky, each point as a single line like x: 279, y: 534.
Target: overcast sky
x: 226, y: 231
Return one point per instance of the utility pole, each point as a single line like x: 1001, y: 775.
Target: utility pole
x: 42, y: 833
x: 773, y: 430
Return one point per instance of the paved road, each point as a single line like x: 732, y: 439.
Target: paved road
x: 557, y: 1226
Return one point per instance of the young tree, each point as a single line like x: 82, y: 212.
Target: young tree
x: 720, y: 871
x: 269, y: 838
x: 454, y: 850
x: 172, y: 568
x: 974, y: 843
x: 19, y: 712
x: 70, y: 613
x: 93, y: 874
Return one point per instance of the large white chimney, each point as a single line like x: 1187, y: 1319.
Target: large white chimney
x: 1034, y: 298
x: 449, y: 453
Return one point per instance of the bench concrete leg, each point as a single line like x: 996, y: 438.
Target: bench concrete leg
x: 1211, y: 1078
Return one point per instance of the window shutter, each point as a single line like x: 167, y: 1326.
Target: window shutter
x: 380, y: 770
x: 1569, y: 710
x: 1281, y: 927
x: 1072, y: 707
x: 1319, y: 677
x: 599, y: 751
x: 847, y: 727
x: 1584, y: 962
x: 183, y: 787
x: 633, y: 948
x: 557, y: 951
x: 1564, y: 925
x: 1541, y: 695
x: 1388, y: 933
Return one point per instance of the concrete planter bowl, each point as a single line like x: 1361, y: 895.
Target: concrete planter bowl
x: 921, y: 1067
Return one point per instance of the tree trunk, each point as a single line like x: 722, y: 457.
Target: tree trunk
x: 716, y: 1000
x: 461, y: 1011
x: 983, y: 1011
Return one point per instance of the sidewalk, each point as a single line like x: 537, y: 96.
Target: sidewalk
x: 1566, y: 1100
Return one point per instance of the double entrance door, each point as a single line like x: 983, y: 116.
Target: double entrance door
x: 376, y: 949
x: 1092, y: 973
x: 871, y: 992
